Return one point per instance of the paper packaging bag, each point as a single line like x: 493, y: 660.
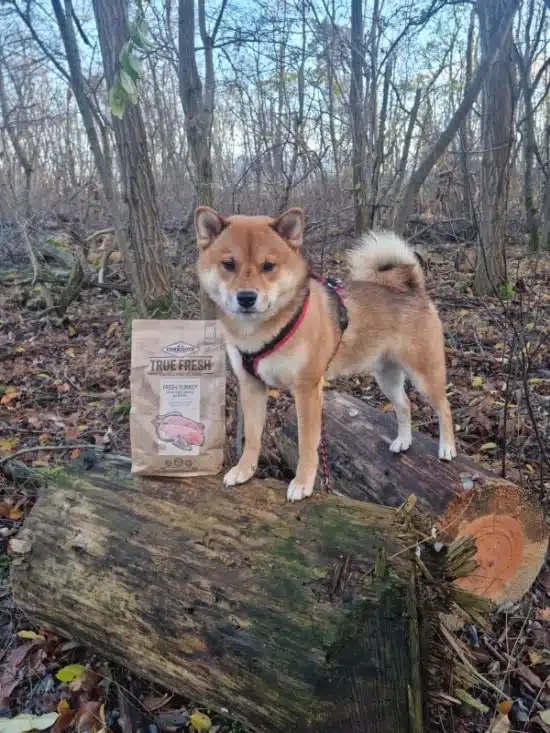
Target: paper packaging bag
x: 177, y: 419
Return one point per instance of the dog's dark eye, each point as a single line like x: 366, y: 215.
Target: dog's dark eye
x: 229, y: 265
x: 268, y: 267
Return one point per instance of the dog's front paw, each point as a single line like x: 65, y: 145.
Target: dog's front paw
x: 401, y: 444
x: 447, y: 451
x: 239, y: 474
x: 298, y: 490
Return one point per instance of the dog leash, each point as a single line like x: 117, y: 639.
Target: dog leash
x: 325, y: 468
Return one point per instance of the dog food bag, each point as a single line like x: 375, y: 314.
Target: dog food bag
x: 177, y: 420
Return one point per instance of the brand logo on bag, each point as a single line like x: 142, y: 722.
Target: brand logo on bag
x: 180, y: 348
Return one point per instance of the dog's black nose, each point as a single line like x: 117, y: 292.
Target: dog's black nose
x: 247, y: 298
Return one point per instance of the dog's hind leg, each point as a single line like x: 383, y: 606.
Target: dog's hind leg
x: 391, y: 380
x: 431, y: 382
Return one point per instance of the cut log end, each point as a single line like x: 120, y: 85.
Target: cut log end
x: 511, y: 537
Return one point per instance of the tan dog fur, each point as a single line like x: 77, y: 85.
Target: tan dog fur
x: 394, y: 330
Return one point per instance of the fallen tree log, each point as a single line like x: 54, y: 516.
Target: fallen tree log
x: 232, y: 597
x: 507, y: 522
x: 362, y: 466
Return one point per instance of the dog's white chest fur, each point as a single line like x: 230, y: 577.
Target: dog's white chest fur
x: 277, y: 369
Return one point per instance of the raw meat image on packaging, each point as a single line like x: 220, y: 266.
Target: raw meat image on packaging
x: 179, y: 430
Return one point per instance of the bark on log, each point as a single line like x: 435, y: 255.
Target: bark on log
x: 362, y: 466
x: 232, y: 597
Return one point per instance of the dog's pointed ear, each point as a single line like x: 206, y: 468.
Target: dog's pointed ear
x: 290, y: 226
x: 208, y: 224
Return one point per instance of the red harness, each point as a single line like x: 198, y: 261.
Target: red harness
x: 251, y: 361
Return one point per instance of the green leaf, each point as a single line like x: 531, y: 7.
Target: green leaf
x: 118, y: 99
x: 128, y: 86
x: 25, y: 722
x: 135, y: 64
x: 70, y: 672
x: 488, y: 446
x: 200, y: 722
x: 138, y: 34
x: 130, y: 62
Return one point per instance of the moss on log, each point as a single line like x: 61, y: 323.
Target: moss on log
x: 231, y: 596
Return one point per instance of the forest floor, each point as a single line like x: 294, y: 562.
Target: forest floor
x: 65, y: 384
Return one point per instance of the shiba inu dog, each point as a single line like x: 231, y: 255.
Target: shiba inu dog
x: 284, y: 328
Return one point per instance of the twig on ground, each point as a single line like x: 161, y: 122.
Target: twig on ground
x: 37, y: 448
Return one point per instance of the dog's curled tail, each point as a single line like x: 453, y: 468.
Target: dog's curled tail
x: 383, y: 257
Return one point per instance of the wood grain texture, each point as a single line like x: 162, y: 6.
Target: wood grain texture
x: 362, y: 466
x: 232, y: 597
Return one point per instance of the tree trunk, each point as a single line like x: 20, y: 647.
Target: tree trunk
x: 380, y: 148
x: 497, y: 138
x: 356, y: 109
x: 361, y: 465
x: 530, y: 147
x: 19, y: 149
x: 465, y: 136
x: 198, y: 107
x: 499, y: 38
x: 234, y: 598
x: 145, y: 232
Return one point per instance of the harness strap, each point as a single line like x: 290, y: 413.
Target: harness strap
x: 250, y: 361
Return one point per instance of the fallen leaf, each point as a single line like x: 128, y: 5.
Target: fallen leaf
x: 9, y: 396
x: 71, y: 331
x: 112, y: 328
x: 27, y: 634
x: 542, y: 720
x: 9, y: 677
x: 477, y: 381
x: 70, y: 352
x: 70, y: 672
x: 25, y: 722
x: 274, y: 392
x: 488, y: 446
x: 200, y: 722
x: 543, y: 614
x: 63, y: 707
x: 535, y: 657
x: 20, y: 350
x: 505, y: 706
x: 63, y: 387
x: 65, y: 720
x: 15, y: 513
x: 500, y: 725
x: 8, y: 444
x: 90, y: 718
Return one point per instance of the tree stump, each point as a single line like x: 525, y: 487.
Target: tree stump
x: 232, y: 597
x: 362, y: 466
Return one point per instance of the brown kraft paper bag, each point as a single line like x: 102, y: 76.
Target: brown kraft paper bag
x: 177, y: 419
